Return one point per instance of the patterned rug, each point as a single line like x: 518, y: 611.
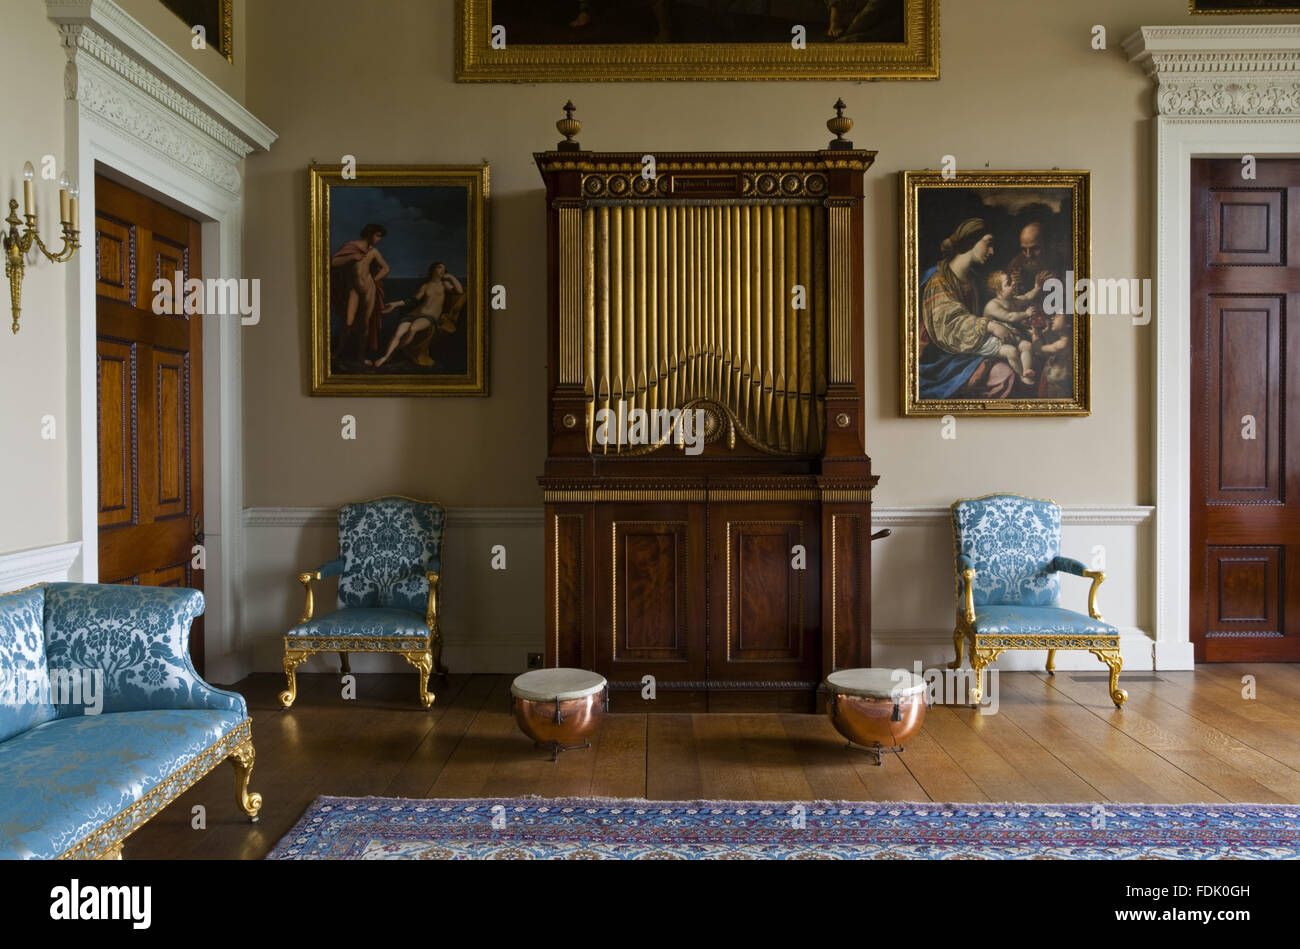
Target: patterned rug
x: 376, y: 828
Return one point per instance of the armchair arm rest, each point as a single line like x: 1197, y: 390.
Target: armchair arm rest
x: 431, y: 612
x: 1067, y: 565
x: 331, y: 569
x: 966, y: 571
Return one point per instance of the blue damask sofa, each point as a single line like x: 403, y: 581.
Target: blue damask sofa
x: 103, y: 719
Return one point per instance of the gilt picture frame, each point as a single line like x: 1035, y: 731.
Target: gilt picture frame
x: 604, y: 41
x: 990, y: 263
x: 399, y: 280
x: 215, y: 16
x: 1222, y: 7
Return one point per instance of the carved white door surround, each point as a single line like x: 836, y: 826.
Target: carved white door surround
x: 1221, y: 92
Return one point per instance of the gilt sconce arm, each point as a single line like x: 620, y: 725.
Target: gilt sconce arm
x: 331, y: 569
x: 1071, y: 566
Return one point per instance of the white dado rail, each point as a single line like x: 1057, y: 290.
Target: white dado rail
x: 38, y: 565
x: 1221, y: 92
x: 492, y: 618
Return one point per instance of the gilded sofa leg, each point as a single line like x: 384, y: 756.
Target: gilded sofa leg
x: 959, y: 644
x: 242, y: 758
x: 1051, y: 662
x: 1115, y: 661
x: 423, y: 663
x: 293, y: 658
x: 345, y: 666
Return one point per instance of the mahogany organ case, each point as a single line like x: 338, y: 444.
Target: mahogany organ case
x: 732, y: 564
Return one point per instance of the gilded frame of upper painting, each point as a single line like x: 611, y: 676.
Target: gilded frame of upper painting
x: 985, y: 331
x: 586, y: 41
x: 1219, y: 7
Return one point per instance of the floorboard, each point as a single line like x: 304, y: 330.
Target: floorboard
x: 1184, y: 737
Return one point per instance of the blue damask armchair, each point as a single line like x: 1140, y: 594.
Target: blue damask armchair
x: 1007, y: 552
x: 390, y: 552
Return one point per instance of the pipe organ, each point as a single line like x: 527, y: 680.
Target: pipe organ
x: 707, y: 490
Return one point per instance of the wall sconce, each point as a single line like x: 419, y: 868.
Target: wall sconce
x: 18, y: 244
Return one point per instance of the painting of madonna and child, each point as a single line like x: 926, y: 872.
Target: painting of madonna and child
x: 397, y: 262
x: 988, y: 326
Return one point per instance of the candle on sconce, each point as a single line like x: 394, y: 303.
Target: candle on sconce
x: 64, y: 199
x: 73, y: 192
x: 29, y: 198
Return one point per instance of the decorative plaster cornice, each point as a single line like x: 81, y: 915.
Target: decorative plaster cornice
x: 126, y: 78
x: 1221, y: 71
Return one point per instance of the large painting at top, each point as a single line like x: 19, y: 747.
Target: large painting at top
x: 603, y: 40
x: 1243, y: 6
x: 216, y: 18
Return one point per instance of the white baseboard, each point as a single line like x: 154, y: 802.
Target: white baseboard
x: 38, y: 565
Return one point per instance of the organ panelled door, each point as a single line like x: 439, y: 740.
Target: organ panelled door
x: 707, y: 487
x: 150, y: 434
x: 1245, y: 437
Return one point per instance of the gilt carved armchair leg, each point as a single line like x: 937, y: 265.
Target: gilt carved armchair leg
x: 423, y: 663
x: 979, y: 658
x: 249, y: 802
x: 1115, y: 661
x: 345, y: 667
x: 112, y: 853
x: 293, y: 658
x: 959, y: 644
x: 1051, y: 662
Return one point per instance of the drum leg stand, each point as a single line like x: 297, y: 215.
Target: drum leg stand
x: 877, y: 750
x: 556, y: 747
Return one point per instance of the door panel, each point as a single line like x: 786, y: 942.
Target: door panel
x: 766, y: 593
x: 1245, y: 437
x: 150, y: 396
x: 649, y: 593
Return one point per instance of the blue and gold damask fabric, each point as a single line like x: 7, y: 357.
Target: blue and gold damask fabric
x: 137, y: 639
x: 387, y: 545
x: 363, y: 622
x: 1012, y: 543
x: 24, y: 676
x: 65, y: 779
x: 1038, y: 621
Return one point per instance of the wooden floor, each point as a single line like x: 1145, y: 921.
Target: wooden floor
x: 1183, y: 737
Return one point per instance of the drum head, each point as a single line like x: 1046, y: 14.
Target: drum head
x: 875, y: 683
x: 551, y: 685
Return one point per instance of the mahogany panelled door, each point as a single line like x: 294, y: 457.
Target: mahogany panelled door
x: 149, y: 396
x: 1245, y: 392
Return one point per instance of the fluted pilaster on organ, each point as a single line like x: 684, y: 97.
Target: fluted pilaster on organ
x: 726, y: 289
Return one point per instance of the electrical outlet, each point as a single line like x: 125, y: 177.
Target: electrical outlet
x: 534, y: 660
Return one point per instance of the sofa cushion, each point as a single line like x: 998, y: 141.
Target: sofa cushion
x: 1038, y: 621
x: 24, y: 675
x: 66, y: 778
x: 364, y: 622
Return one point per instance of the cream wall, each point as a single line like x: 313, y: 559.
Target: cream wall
x: 1021, y: 88
x: 34, y: 365
x: 39, y: 486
